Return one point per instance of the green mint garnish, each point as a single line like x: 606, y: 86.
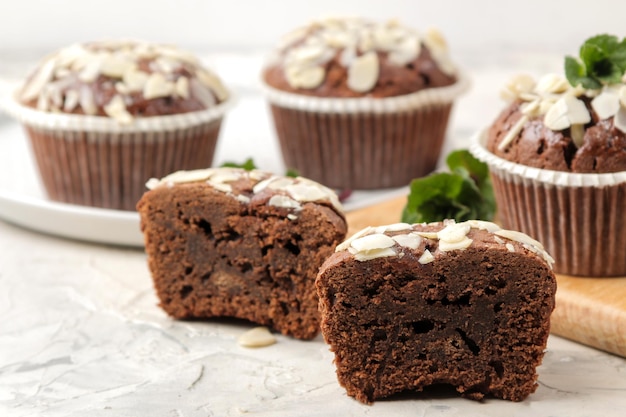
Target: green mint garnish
x: 602, y: 61
x: 248, y: 165
x: 465, y: 193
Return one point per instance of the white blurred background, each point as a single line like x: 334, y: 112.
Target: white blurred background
x: 492, y: 40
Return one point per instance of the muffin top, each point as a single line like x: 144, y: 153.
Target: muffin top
x: 571, y: 124
x: 355, y: 57
x: 121, y: 79
x: 254, y: 186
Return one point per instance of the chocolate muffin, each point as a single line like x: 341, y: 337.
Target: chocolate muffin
x: 406, y: 306
x: 247, y: 244
x: 557, y: 156
x: 360, y: 104
x: 103, y: 117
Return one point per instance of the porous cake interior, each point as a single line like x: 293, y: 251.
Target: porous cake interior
x: 211, y: 256
x: 477, y: 320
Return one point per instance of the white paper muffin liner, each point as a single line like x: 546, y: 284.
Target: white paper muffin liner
x: 363, y: 143
x: 95, y: 161
x: 423, y: 98
x: 578, y: 217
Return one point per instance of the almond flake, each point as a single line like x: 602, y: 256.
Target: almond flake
x: 405, y: 52
x: 510, y: 247
x: 372, y: 242
x: 157, y: 86
x: 435, y: 40
x: 116, y: 67
x: 182, y: 87
x: 577, y: 132
x: 210, y: 80
x: 566, y: 111
x: 87, y: 100
x: 620, y: 120
x: 346, y: 243
x: 283, y: 201
x: 39, y: 80
x: 374, y: 254
x: 606, y: 104
x: 454, y: 232
x: 411, y: 241
x: 202, y: 93
x: 310, y: 77
x: 116, y: 108
x: 257, y: 337
x: 134, y: 79
x: 552, y: 83
x: 71, y: 100
x: 446, y: 246
x: 91, y: 71
x: 521, y: 83
x: 513, y: 133
x: 426, y: 257
x: 622, y: 95
x: 363, y: 72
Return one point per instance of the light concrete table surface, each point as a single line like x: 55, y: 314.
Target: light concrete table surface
x: 81, y: 333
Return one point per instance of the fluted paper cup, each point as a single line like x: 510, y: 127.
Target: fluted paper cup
x: 96, y: 161
x: 578, y: 217
x: 363, y: 143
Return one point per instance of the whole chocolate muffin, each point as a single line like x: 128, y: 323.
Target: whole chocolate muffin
x: 361, y: 104
x: 468, y: 304
x: 557, y: 156
x: 103, y: 117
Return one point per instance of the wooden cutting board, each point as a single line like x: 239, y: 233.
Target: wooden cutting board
x: 591, y: 311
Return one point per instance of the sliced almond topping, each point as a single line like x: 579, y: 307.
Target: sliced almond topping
x: 363, y: 72
x: 454, y: 232
x: 530, y: 108
x: 372, y: 242
x: 435, y: 40
x: 157, y: 86
x: 71, y: 100
x: 210, y: 80
x: 306, y: 78
x: 411, y: 241
x: 374, y: 254
x: 39, y: 80
x: 577, y: 132
x: 182, y: 87
x: 552, y: 83
x: 116, y: 66
x: 620, y: 119
x: 116, y: 108
x: 202, y: 93
x: 521, y: 83
x: 91, y: 71
x: 257, y: 337
x: 283, y: 201
x: 513, y: 133
x: 566, y: 111
x: 346, y: 243
x: 622, y: 95
x: 446, y: 246
x: 426, y: 257
x: 134, y: 79
x: 87, y: 100
x: 510, y: 247
x: 405, y: 52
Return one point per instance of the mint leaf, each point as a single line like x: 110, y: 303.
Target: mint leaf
x: 602, y: 62
x: 292, y: 173
x: 463, y: 194
x: 248, y: 165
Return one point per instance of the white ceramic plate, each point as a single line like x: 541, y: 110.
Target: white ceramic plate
x: 23, y: 201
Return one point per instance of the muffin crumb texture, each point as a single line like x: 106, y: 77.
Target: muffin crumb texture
x: 354, y: 57
x: 122, y: 80
x: 226, y: 242
x: 405, y: 307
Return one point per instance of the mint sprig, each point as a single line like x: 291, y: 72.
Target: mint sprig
x: 248, y: 165
x: 602, y: 61
x: 465, y: 193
